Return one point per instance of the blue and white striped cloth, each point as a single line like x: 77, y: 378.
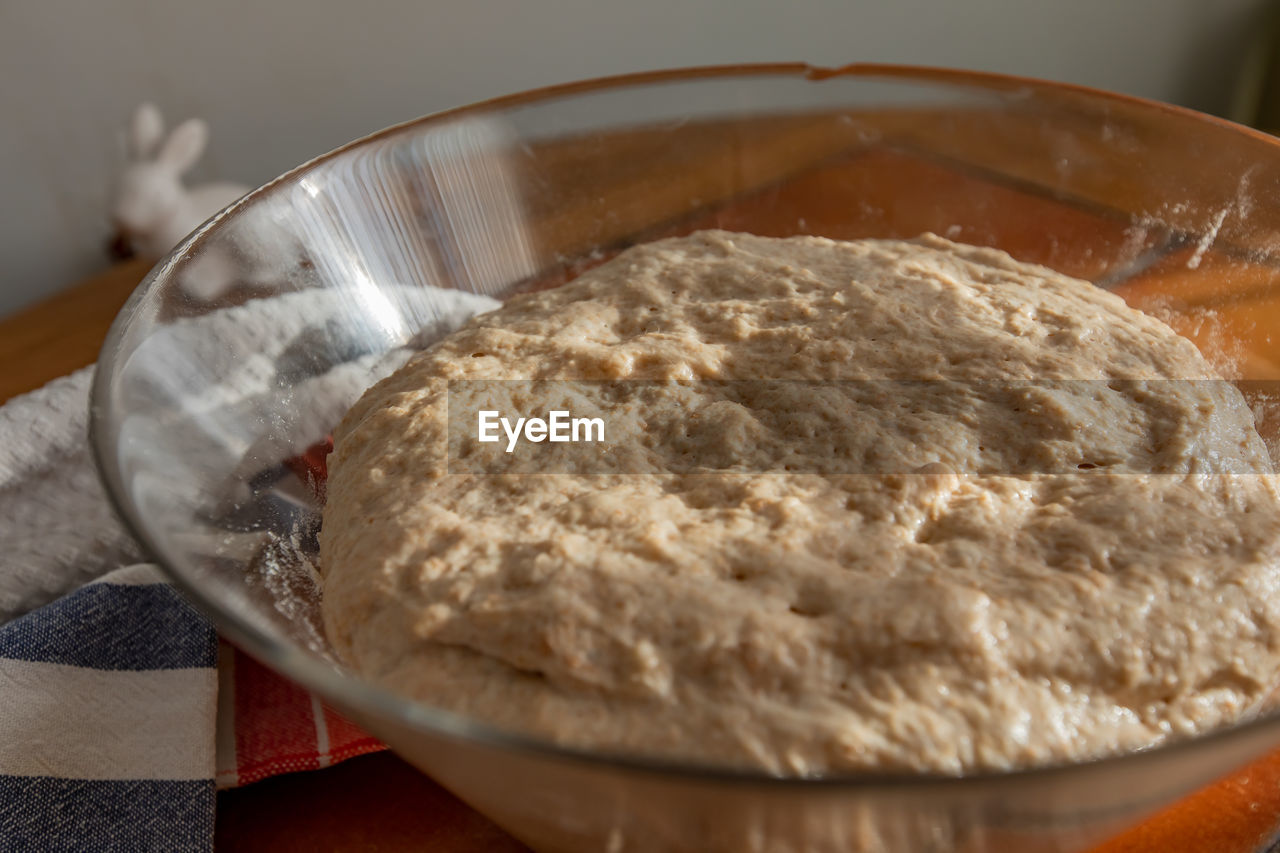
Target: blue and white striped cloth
x: 107, y: 736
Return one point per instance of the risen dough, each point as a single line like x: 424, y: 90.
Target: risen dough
x: 812, y: 577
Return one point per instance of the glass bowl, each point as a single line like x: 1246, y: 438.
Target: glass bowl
x: 224, y: 374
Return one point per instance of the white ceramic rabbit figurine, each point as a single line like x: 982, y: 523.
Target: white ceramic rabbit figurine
x: 153, y: 210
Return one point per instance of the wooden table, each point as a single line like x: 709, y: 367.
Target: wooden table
x: 377, y: 802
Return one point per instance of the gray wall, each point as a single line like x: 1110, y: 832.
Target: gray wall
x: 282, y: 81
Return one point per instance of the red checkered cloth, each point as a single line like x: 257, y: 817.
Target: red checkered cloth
x: 268, y: 725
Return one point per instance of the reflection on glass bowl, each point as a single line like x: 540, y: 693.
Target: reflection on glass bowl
x: 225, y: 373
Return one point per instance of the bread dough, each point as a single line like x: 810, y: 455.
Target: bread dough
x: 966, y: 514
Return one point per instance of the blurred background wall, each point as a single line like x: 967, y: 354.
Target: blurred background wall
x: 280, y: 82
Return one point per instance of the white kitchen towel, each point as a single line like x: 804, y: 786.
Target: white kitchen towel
x: 57, y: 530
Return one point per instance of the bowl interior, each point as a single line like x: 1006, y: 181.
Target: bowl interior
x: 226, y: 372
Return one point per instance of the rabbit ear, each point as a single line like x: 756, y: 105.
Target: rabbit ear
x: 184, y: 146
x: 148, y: 128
